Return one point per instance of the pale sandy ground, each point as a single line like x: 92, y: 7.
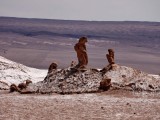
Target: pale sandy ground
x: 110, y: 105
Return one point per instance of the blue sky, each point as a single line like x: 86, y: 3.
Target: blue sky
x: 99, y: 10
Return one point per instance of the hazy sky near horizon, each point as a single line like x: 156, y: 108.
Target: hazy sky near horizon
x: 99, y: 10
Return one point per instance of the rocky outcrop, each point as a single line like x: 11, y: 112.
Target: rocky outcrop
x: 81, y: 51
x: 69, y: 81
x: 24, y: 84
x: 20, y: 87
x: 72, y: 80
x: 14, y: 88
x: 131, y: 79
x: 110, y: 56
x: 105, y: 84
x: 52, y: 67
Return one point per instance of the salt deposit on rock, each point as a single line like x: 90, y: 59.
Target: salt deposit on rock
x: 129, y: 78
x: 3, y: 85
x: 12, y: 72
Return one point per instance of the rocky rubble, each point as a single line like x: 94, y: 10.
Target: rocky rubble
x: 70, y: 80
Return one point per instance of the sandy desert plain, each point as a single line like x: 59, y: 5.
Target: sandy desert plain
x: 114, y: 104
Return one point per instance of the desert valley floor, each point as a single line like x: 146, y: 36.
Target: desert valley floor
x: 117, y: 105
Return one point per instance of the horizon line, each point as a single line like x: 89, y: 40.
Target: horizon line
x: 77, y: 20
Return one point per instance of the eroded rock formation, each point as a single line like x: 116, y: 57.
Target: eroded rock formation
x: 81, y: 51
x: 14, y: 88
x: 80, y: 79
x: 53, y: 66
x: 67, y: 81
x: 105, y: 84
x: 110, y: 56
x: 20, y: 87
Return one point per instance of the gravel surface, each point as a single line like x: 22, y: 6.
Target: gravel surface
x: 110, y: 105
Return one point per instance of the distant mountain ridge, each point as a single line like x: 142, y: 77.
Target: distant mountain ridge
x: 75, y: 29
